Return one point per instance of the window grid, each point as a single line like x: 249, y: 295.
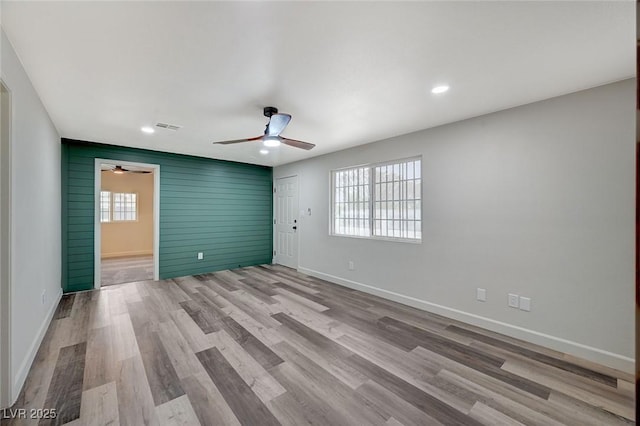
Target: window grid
x: 379, y: 200
x: 351, y: 202
x: 397, y: 200
x: 105, y: 206
x: 125, y: 207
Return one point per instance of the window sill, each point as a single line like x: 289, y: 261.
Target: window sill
x: 388, y: 239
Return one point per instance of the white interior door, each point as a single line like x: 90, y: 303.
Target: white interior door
x: 285, y: 243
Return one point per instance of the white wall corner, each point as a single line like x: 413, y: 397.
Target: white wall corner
x: 589, y: 353
x: 25, y: 367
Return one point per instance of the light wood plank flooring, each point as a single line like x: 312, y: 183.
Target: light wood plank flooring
x: 120, y: 270
x: 267, y: 345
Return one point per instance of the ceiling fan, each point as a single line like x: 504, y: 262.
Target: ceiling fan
x: 119, y: 170
x: 275, y: 126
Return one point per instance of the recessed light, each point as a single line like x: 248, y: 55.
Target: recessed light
x: 147, y: 129
x: 271, y: 141
x: 439, y: 89
x: 264, y: 151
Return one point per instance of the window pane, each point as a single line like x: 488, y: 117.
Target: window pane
x: 396, y: 198
x: 105, y: 206
x: 351, y: 202
x: 125, y: 206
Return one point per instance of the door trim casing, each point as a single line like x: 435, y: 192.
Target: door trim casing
x: 6, y: 242
x: 97, y: 239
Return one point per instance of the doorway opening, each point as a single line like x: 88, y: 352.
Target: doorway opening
x: 285, y: 229
x: 127, y: 226
x: 5, y: 247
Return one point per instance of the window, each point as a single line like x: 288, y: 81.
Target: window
x: 118, y: 207
x: 351, y: 205
x: 105, y: 206
x: 381, y: 200
x: 397, y: 200
x: 125, y: 206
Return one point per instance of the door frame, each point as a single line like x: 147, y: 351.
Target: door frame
x: 97, y: 240
x: 273, y: 258
x: 6, y: 242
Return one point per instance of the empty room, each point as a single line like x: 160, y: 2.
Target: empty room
x: 327, y: 213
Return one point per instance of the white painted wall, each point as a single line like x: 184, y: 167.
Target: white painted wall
x: 536, y: 200
x: 35, y: 213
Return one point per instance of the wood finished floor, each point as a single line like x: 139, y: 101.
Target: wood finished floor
x: 268, y: 345
x: 126, y: 269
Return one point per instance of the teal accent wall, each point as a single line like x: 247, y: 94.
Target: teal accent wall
x: 221, y: 208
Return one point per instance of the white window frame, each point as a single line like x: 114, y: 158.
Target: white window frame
x: 372, y: 199
x: 124, y: 212
x: 108, y: 219
x: 112, y: 208
x: 333, y: 200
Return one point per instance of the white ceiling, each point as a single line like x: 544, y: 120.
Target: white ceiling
x: 348, y: 72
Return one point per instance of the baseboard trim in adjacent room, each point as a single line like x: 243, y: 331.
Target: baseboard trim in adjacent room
x: 25, y: 367
x: 590, y: 353
x: 127, y: 254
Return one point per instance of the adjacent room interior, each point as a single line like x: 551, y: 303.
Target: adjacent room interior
x: 328, y: 213
x: 126, y: 224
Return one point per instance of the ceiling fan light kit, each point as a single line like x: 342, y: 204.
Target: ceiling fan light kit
x: 271, y: 141
x: 118, y: 170
x: 275, y: 126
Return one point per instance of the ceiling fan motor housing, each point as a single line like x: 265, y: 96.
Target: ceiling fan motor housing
x: 269, y: 111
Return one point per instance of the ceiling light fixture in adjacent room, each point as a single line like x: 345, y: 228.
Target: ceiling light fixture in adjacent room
x: 147, y: 129
x: 439, y: 89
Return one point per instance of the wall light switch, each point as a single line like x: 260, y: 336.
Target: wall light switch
x: 351, y: 265
x: 200, y: 256
x: 481, y: 294
x: 513, y: 300
x: 525, y: 304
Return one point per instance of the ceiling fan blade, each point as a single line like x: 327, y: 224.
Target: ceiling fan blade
x: 277, y: 123
x: 297, y: 144
x: 239, y: 140
x: 138, y: 171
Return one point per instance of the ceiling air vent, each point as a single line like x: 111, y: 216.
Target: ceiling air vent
x: 168, y: 126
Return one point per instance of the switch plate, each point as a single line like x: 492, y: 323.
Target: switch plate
x: 351, y: 265
x: 44, y: 296
x: 481, y: 294
x: 513, y: 300
x: 525, y: 303
x: 200, y: 256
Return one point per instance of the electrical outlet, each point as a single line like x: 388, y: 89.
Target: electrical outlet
x: 351, y: 265
x: 525, y: 304
x: 481, y: 294
x: 513, y: 300
x: 200, y: 256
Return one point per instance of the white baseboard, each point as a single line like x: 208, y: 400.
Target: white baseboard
x: 590, y: 353
x: 127, y: 254
x: 24, y: 368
